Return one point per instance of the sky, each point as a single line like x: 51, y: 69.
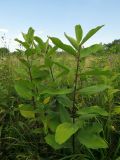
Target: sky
x: 54, y: 17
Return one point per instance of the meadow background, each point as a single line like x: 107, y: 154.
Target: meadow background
x: 60, y: 97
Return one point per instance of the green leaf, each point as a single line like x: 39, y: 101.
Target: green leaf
x: 24, y: 61
x: 72, y: 41
x: 40, y: 42
x: 52, y: 50
x: 90, y: 50
x: 30, y: 51
x: 61, y: 66
x: 37, y: 49
x: 24, y: 89
x: 64, y: 115
x: 39, y: 74
x: 24, y: 36
x: 63, y: 46
x: 50, y: 139
x: 24, y: 44
x: 93, y: 110
x: 48, y: 61
x: 78, y: 32
x: 64, y: 131
x: 53, y: 120
x: 53, y: 123
x: 30, y: 32
x: 89, y: 136
x: 27, y: 110
x: 30, y: 35
x: 95, y: 128
x: 65, y: 69
x: 64, y: 100
x: 56, y: 91
x: 93, y: 89
x: 92, y: 141
x: 87, y: 116
x: 91, y: 33
x: 116, y: 110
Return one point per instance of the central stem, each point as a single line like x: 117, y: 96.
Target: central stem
x: 74, y: 96
x: 31, y: 80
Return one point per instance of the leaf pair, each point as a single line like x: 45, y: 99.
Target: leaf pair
x: 95, y: 110
x: 29, y: 37
x: 78, y: 42
x: 89, y: 136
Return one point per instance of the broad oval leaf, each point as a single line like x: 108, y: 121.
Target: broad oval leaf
x: 78, y: 32
x: 24, y: 44
x: 27, y: 110
x: 40, y: 42
x: 92, y: 141
x: 24, y: 89
x: 87, y: 116
x: 30, y: 35
x: 52, y: 50
x: 89, y: 136
x: 56, y: 91
x: 53, y: 124
x: 61, y: 66
x: 50, y: 139
x: 93, y: 89
x: 91, y: 33
x: 63, y: 46
x: 64, y: 101
x: 38, y: 73
x: 64, y: 131
x: 90, y: 50
x: 93, y: 110
x: 64, y: 114
x: 30, y: 51
x: 72, y: 41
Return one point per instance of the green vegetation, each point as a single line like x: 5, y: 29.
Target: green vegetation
x: 60, y: 105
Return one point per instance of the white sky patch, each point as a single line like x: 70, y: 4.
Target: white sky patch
x: 19, y: 36
x: 41, y: 32
x: 3, y: 30
x: 8, y: 40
